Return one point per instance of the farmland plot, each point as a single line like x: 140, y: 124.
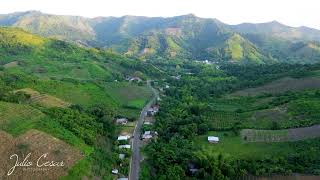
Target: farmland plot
x: 17, y: 118
x: 282, y: 85
x: 294, y: 134
x: 44, y: 99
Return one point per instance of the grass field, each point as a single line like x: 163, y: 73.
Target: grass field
x: 16, y: 118
x: 86, y: 94
x: 129, y: 96
x: 233, y: 145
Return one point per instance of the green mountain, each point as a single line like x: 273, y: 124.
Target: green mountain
x: 52, y: 58
x: 278, y: 30
x: 186, y: 37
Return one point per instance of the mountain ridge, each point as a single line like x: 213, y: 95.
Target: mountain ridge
x: 185, y: 36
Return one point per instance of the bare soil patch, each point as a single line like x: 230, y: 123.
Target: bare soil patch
x: 11, y: 64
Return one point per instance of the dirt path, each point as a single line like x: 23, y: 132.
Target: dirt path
x: 136, y: 142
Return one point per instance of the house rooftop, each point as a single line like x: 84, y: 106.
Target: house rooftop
x: 213, y: 138
x: 123, y: 138
x: 127, y: 146
x: 122, y: 156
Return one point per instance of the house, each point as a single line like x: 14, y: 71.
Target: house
x: 115, y: 171
x: 150, y: 112
x: 127, y: 146
x: 147, y: 123
x: 147, y: 135
x: 122, y: 156
x: 123, y: 179
x: 129, y: 78
x: 122, y: 121
x: 123, y: 138
x: 213, y: 139
x: 153, y: 110
x: 167, y: 87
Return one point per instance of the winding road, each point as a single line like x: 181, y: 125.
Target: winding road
x: 136, y: 142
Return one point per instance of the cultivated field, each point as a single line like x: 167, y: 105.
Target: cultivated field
x: 86, y: 94
x: 37, y: 143
x: 294, y: 134
x: 44, y: 99
x: 233, y: 145
x: 282, y: 85
x: 17, y: 118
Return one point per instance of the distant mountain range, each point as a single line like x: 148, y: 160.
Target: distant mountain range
x: 186, y: 36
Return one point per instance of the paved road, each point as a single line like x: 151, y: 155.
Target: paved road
x: 136, y: 142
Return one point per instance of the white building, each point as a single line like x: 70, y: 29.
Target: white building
x: 115, y: 171
x: 127, y: 146
x: 147, y: 123
x: 122, y: 156
x: 147, y: 135
x: 122, y: 121
x: 123, y: 138
x: 213, y: 139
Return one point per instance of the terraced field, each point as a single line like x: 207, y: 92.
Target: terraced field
x: 294, y: 134
x: 44, y: 99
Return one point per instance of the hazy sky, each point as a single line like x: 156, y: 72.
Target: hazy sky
x: 290, y: 12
